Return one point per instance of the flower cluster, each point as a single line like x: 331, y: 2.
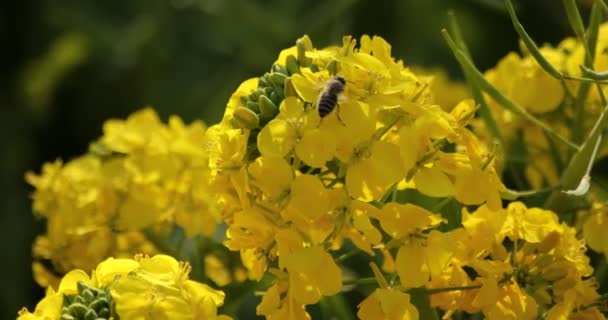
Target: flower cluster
x: 526, y: 263
x: 144, y: 288
x: 558, y: 103
x: 334, y: 152
x: 296, y: 185
x: 141, y: 176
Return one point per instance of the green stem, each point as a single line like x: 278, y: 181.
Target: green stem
x: 486, y: 86
x: 603, y: 5
x: 484, y: 111
x: 441, y: 204
x: 589, y: 41
x: 448, y: 289
x: 362, y: 281
x: 382, y: 131
x: 378, y: 276
x: 347, y: 255
x: 515, y: 194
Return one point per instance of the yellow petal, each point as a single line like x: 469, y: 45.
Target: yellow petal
x: 399, y: 220
x: 273, y: 175
x: 277, y: 138
x: 411, y: 267
x: 316, y: 148
x: 433, y: 182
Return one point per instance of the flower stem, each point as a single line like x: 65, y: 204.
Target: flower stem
x: 448, y: 289
x: 486, y: 86
x: 362, y: 281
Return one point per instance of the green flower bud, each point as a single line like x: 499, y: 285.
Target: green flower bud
x: 78, y: 310
x: 104, y: 313
x: 292, y: 65
x: 276, y: 68
x: 88, y: 295
x: 262, y: 82
x: 275, y: 98
x: 278, y: 79
x: 253, y: 105
x: 98, y: 304
x: 245, y: 118
x: 267, y: 107
x: 289, y: 90
x: 81, y: 286
x: 302, y: 46
x: 253, y: 96
x: 332, y: 67
x: 90, y: 315
x: 268, y: 91
x: 66, y: 316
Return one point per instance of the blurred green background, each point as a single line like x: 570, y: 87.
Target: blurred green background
x: 68, y: 66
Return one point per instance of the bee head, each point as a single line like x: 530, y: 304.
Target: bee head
x: 340, y: 79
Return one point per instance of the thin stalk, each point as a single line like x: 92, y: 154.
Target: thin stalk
x: 484, y: 110
x: 486, y: 86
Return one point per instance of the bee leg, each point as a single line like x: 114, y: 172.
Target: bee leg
x: 338, y: 115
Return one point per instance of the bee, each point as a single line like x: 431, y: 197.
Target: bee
x: 328, y: 99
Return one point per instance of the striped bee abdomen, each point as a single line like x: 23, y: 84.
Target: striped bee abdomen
x: 328, y: 99
x: 327, y: 103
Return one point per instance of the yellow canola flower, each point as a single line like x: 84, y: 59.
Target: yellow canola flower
x: 400, y: 220
x: 523, y: 79
x: 49, y: 308
x: 159, y: 288
x: 142, y: 288
x: 445, y: 92
x: 525, y: 260
x: 313, y: 274
x: 293, y: 183
x: 387, y: 304
x: 279, y: 303
x: 594, y: 228
x: 309, y: 274
x: 358, y: 226
x: 141, y: 174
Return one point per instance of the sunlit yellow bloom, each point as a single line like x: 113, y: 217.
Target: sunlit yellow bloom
x: 49, y: 308
x: 359, y: 228
x: 141, y: 173
x: 145, y: 288
x: 522, y: 79
x: 244, y: 89
x: 277, y: 138
x: 312, y: 274
x: 594, y: 228
x: 399, y: 220
x: 387, y: 304
x: 418, y: 261
x: 272, y: 175
x: 273, y: 307
x: 511, y: 303
x: 159, y: 288
x: 446, y: 92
